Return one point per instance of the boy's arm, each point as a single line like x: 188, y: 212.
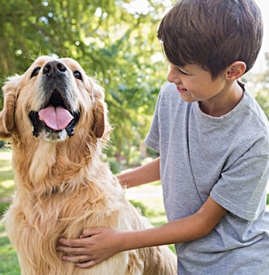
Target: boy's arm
x: 98, y: 244
x: 144, y: 174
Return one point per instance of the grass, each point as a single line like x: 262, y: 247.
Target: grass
x: 147, y: 198
x: 6, y: 174
x: 8, y: 258
x: 9, y: 264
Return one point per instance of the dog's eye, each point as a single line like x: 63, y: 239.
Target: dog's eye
x: 77, y: 75
x: 35, y: 72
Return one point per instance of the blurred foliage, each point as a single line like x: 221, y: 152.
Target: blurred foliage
x: 114, y: 41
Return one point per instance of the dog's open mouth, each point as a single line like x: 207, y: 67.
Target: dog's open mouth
x: 54, y: 117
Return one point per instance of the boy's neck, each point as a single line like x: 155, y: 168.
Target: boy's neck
x: 224, y: 102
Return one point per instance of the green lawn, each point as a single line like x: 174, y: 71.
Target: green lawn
x: 8, y: 258
x: 6, y: 174
x: 147, y: 198
x: 6, y: 179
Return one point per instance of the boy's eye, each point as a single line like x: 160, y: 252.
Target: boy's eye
x: 182, y: 71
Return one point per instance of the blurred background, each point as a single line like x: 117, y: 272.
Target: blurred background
x: 115, y: 41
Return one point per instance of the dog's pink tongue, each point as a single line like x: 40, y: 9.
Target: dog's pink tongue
x: 56, y: 118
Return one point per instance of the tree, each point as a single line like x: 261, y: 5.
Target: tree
x: 114, y: 40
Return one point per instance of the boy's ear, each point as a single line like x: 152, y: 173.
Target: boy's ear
x: 236, y: 70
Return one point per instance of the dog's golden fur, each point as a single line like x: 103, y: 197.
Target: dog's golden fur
x: 62, y: 186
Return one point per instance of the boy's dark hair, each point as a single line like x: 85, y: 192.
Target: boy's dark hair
x: 212, y: 33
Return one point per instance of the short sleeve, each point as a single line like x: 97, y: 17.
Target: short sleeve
x: 241, y: 188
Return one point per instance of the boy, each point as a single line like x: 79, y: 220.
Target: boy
x: 214, y: 148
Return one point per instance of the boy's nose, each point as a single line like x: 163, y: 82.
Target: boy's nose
x: 172, y: 76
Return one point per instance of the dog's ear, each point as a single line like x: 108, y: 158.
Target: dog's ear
x: 99, y: 111
x: 7, y: 115
x: 4, y: 134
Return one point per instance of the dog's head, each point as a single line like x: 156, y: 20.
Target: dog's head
x: 52, y: 100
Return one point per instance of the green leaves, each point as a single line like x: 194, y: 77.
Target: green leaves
x: 114, y: 40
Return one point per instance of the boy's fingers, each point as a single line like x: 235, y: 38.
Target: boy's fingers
x: 86, y: 264
x: 71, y: 250
x: 76, y: 258
x: 72, y: 242
x: 87, y: 232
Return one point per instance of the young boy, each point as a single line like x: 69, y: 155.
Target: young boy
x: 213, y: 141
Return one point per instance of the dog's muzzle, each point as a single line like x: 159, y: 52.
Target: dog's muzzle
x: 39, y: 126
x: 56, y: 114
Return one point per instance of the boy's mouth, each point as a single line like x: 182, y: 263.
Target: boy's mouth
x: 181, y: 89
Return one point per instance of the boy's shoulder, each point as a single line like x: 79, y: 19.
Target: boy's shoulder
x: 169, y: 96
x: 169, y: 90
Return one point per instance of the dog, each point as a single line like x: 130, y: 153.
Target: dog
x: 57, y: 121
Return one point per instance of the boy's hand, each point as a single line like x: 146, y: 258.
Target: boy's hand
x: 94, y: 246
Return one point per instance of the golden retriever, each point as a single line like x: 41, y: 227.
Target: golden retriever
x: 56, y: 118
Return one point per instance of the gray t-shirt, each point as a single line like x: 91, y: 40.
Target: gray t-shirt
x: 226, y: 158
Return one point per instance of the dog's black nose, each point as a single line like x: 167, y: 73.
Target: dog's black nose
x: 54, y: 68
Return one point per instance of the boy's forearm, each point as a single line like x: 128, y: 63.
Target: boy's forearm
x: 186, y: 229
x: 182, y: 230
x: 149, y: 172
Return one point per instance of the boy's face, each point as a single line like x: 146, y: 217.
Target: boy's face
x: 195, y: 84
